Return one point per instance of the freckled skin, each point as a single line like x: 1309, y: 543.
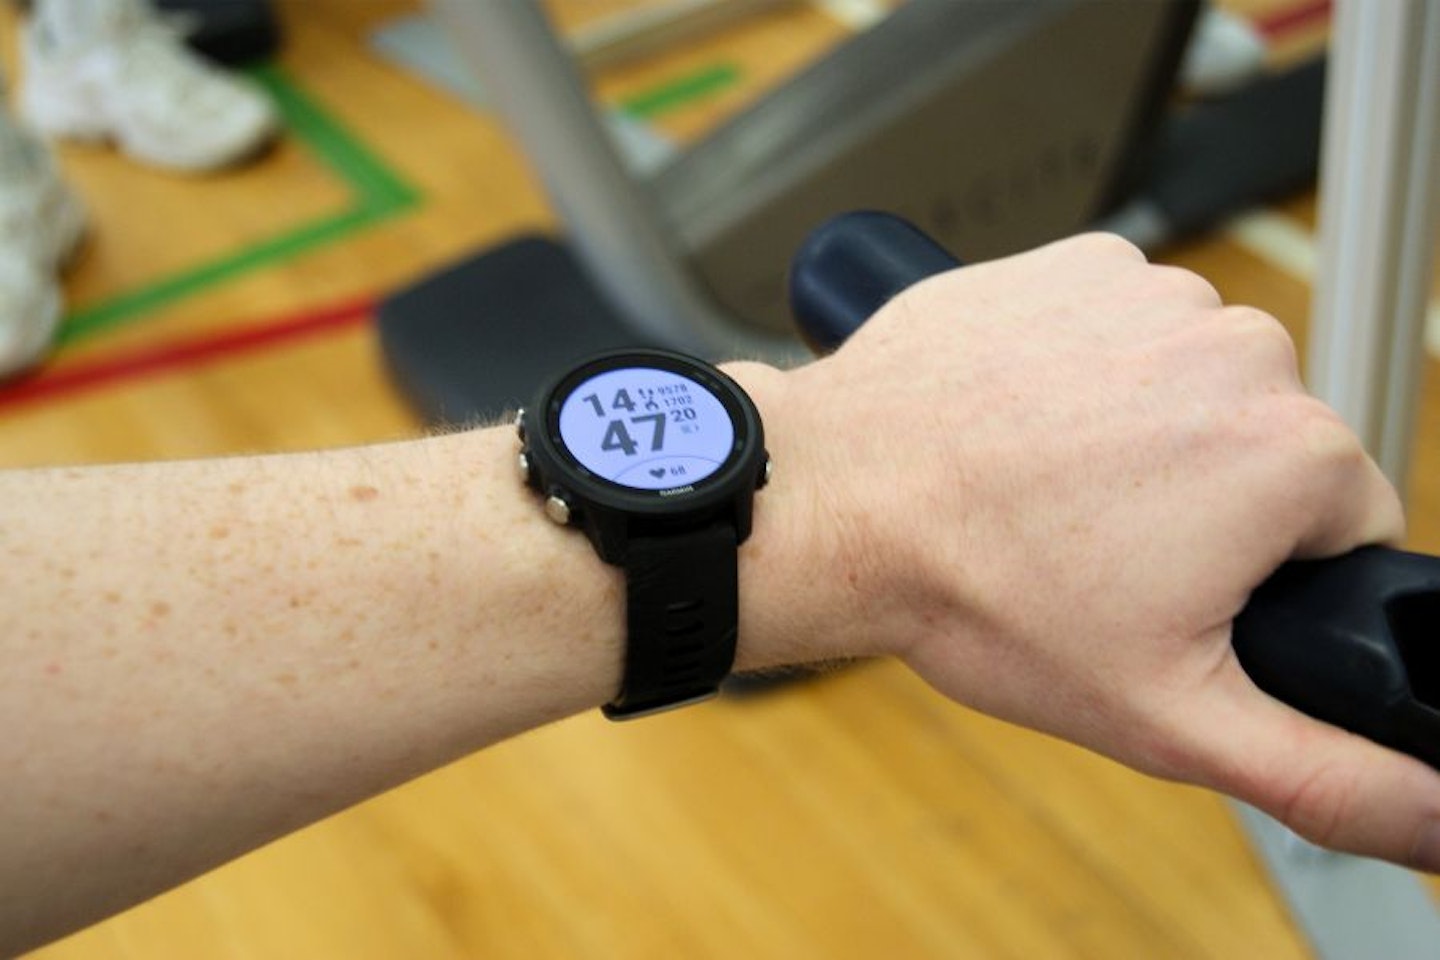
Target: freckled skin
x: 197, y: 650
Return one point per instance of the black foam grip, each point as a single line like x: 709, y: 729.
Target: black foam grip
x: 1223, y: 157
x: 1355, y: 641
x: 851, y: 267
x: 682, y: 608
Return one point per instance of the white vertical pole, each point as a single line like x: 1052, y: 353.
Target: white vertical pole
x: 1417, y: 245
x: 1379, y: 213
x: 1379, y: 200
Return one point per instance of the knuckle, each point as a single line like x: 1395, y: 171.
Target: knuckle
x: 1103, y: 244
x: 1320, y: 804
x: 1326, y: 437
x: 1307, y: 430
x: 1185, y: 285
x: 1260, y: 332
x: 1253, y: 321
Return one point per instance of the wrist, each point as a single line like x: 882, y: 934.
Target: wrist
x: 807, y: 573
x: 656, y: 457
x: 557, y: 578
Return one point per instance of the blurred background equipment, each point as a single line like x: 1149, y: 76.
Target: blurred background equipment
x: 992, y: 125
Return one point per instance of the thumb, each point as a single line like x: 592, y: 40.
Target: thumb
x: 1331, y: 787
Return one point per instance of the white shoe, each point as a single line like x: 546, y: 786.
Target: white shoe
x: 41, y: 224
x: 140, y: 86
x: 1224, y: 54
x: 30, y: 307
x: 41, y: 219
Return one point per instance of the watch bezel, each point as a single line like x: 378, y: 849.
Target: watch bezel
x: 556, y: 464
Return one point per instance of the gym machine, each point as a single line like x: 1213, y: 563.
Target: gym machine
x: 995, y: 125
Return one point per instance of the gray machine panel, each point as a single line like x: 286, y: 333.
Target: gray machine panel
x: 993, y: 125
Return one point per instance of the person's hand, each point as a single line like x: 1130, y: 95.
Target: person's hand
x: 1050, y: 482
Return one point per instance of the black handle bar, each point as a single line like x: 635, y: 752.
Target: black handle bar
x: 1354, y: 641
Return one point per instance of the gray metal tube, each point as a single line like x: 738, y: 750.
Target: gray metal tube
x: 612, y: 221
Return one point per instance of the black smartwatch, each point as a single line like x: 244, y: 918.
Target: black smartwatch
x: 657, y: 457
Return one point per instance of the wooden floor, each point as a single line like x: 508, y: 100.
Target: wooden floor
x: 856, y: 816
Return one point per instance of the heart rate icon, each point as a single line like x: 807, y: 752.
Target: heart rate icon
x: 657, y: 472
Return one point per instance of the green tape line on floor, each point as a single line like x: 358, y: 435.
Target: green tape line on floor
x: 377, y: 193
x: 373, y: 183
x: 681, y: 91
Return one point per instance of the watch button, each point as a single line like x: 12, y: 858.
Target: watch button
x: 557, y: 508
x: 765, y: 473
x: 520, y: 424
x: 524, y: 469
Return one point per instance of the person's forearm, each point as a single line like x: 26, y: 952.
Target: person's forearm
x: 201, y: 656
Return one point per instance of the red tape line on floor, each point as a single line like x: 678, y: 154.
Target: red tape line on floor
x: 181, y: 353
x: 1274, y: 26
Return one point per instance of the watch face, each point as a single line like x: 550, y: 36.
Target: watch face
x: 646, y: 428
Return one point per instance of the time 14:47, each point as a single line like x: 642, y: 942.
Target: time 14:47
x: 617, y: 435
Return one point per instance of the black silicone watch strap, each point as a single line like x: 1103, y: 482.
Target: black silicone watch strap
x: 682, y: 610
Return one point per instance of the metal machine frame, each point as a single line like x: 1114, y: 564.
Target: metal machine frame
x: 694, y: 257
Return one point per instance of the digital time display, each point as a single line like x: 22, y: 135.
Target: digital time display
x: 646, y: 428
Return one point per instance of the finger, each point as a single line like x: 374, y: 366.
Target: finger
x: 1331, y: 787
